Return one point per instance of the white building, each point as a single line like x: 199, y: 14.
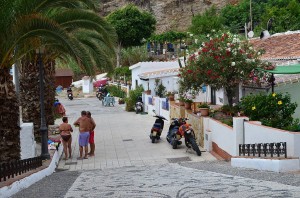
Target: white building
x: 145, y: 73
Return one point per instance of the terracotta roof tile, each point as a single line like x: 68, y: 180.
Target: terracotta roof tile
x: 64, y: 72
x: 279, y: 46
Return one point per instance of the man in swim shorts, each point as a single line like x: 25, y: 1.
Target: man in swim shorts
x: 85, y: 126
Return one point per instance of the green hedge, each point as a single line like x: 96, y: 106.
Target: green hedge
x: 133, y: 95
x: 274, y: 110
x: 116, y: 91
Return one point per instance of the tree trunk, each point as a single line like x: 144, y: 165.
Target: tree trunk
x: 230, y: 94
x: 49, y: 91
x: 9, y: 125
x: 118, y: 55
x: 30, y: 97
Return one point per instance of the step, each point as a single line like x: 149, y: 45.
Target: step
x: 275, y: 164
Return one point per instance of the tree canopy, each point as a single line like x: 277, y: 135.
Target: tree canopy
x: 203, y: 23
x: 132, y: 25
x: 222, y: 62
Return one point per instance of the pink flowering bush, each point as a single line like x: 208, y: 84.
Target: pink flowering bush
x: 223, y: 61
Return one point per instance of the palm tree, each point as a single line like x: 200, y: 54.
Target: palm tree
x: 93, y: 37
x: 27, y: 25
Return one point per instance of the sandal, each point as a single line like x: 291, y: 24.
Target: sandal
x: 85, y: 157
x: 79, y: 158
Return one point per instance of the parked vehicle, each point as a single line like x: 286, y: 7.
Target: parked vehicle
x: 157, y: 128
x: 139, y: 105
x: 70, y: 93
x: 101, y: 92
x: 182, y: 129
x: 99, y: 95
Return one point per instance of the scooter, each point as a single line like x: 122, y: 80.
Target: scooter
x: 157, y: 127
x: 139, y: 105
x: 70, y: 94
x: 173, y: 129
x: 99, y: 95
x: 184, y: 130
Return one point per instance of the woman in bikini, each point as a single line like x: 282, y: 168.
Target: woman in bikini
x: 65, y: 133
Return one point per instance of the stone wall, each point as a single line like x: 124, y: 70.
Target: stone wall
x: 170, y: 14
x: 177, y: 111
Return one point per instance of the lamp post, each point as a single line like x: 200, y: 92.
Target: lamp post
x: 43, y: 127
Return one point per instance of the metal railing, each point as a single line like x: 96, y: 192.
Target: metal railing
x: 263, y: 149
x: 9, y: 170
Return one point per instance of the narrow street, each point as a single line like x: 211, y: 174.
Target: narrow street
x: 127, y: 164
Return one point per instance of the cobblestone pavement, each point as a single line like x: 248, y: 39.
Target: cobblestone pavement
x: 204, y: 179
x: 173, y: 180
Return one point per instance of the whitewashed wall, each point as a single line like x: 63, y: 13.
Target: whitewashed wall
x: 87, y: 85
x: 222, y: 135
x: 157, y: 106
x: 27, y: 141
x: 244, y: 132
x: 256, y: 133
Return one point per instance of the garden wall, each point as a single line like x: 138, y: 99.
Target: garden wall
x: 256, y: 133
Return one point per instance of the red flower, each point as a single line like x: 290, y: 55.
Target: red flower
x: 189, y: 71
x: 209, y: 72
x: 179, y: 75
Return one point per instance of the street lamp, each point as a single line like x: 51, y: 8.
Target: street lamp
x: 43, y: 127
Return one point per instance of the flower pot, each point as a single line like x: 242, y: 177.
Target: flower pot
x: 171, y: 97
x: 204, y: 111
x: 188, y: 105
x: 148, y: 92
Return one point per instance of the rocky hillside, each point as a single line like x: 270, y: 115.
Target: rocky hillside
x: 170, y: 14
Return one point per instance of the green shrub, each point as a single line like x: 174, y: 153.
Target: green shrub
x: 133, y: 95
x: 116, y: 91
x: 274, y: 110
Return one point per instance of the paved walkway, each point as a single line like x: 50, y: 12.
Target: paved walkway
x: 138, y: 168
x: 121, y: 139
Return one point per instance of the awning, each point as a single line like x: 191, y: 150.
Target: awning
x: 290, y: 69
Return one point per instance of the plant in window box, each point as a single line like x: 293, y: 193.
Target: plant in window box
x: 203, y: 109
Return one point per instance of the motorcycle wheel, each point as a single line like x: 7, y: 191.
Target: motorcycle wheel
x: 195, y: 146
x: 174, y: 143
x: 136, y: 111
x: 153, y: 139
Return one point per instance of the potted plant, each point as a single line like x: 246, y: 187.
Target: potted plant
x: 181, y: 100
x: 188, y: 103
x: 121, y: 101
x: 203, y: 108
x: 171, y: 95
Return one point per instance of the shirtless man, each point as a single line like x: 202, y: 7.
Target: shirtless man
x: 85, y: 126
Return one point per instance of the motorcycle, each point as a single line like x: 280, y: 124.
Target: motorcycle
x: 184, y: 130
x: 70, y: 94
x: 139, y: 105
x: 157, y: 127
x: 99, y: 95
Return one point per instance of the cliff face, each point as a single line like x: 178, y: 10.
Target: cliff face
x: 170, y: 14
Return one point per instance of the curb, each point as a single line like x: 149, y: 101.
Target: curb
x: 17, y: 186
